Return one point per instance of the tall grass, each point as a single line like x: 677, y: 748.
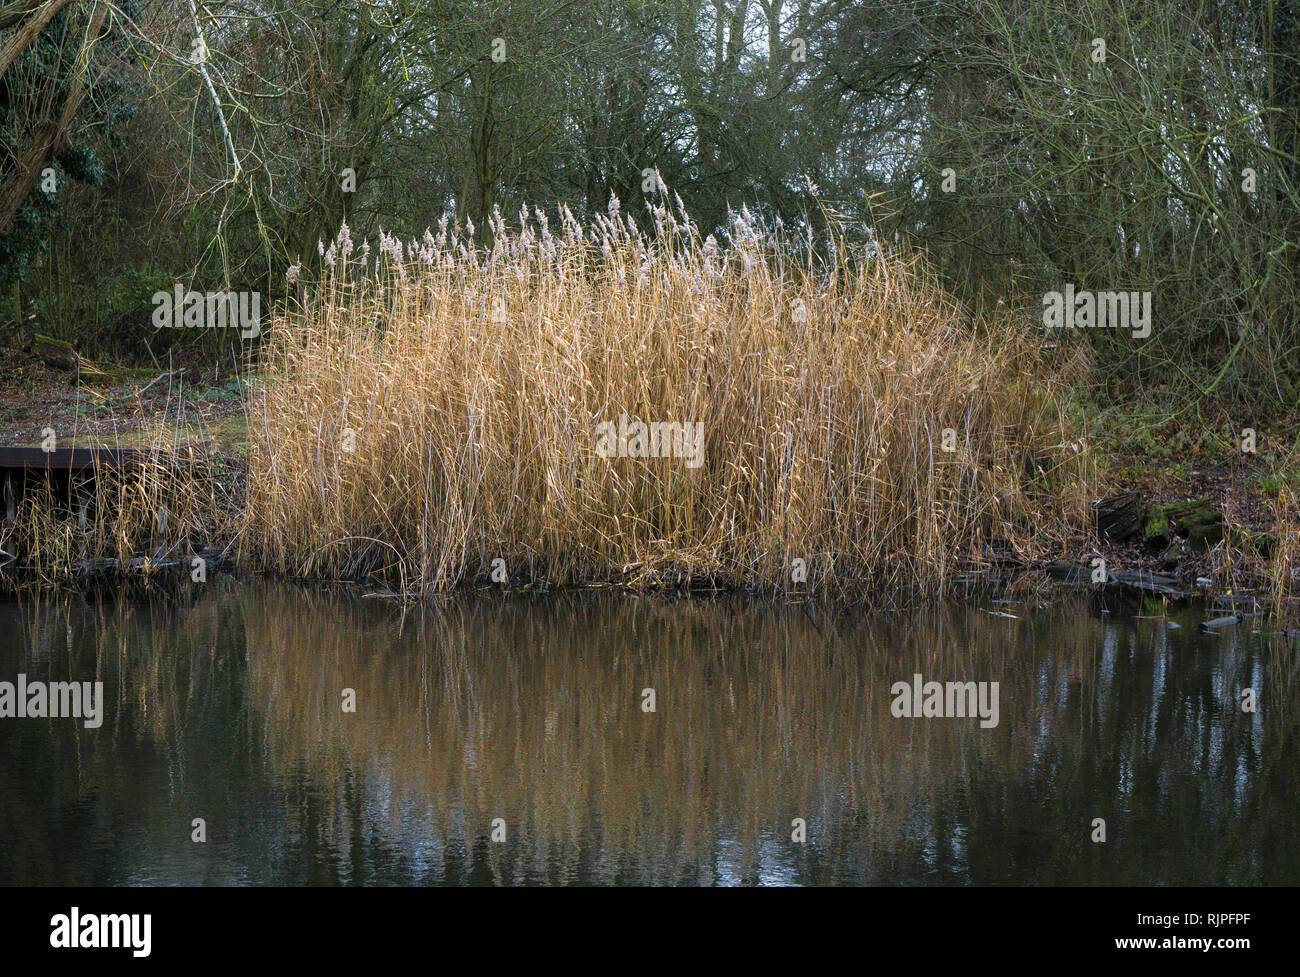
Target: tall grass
x: 168, y: 502
x: 435, y: 407
x: 120, y: 522
x: 1284, y: 566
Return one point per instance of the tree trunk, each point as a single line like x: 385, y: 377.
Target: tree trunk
x: 50, y: 137
x: 1118, y: 517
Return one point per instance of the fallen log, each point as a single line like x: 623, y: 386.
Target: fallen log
x: 1137, y: 581
x: 61, y: 355
x: 1197, y: 520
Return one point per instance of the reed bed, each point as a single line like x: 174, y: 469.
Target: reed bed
x: 438, y: 406
x: 1284, y: 567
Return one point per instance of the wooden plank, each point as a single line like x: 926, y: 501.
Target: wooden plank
x: 82, y: 459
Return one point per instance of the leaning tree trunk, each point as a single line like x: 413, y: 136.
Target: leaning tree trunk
x: 50, y: 137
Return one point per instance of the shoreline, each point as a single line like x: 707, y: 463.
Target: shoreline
x: 1044, y: 581
x: 1227, y: 563
x: 1232, y: 569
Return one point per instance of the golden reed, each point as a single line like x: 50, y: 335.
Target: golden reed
x: 448, y: 403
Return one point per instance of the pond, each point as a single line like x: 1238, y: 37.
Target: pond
x: 263, y: 733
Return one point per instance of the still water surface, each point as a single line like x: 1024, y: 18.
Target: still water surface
x: 229, y: 709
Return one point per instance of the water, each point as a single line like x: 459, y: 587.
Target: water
x: 229, y: 708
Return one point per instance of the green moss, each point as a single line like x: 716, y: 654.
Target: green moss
x: 1156, y: 531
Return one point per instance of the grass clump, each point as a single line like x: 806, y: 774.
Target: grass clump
x: 436, y: 407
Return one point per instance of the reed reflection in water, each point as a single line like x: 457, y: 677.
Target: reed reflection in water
x: 229, y: 709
